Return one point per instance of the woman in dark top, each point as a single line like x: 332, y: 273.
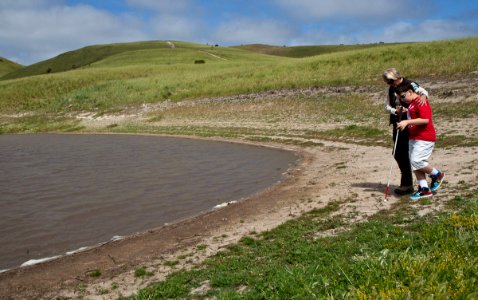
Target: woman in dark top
x: 393, y: 106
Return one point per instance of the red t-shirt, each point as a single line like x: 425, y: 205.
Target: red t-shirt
x: 421, y: 132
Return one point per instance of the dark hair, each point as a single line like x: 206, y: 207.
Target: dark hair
x: 404, y: 86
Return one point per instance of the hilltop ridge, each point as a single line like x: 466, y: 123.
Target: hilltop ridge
x: 305, y: 51
x: 80, y: 58
x: 8, y: 66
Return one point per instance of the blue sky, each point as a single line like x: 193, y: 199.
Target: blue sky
x: 34, y: 30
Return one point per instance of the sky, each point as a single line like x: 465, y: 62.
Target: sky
x: 35, y: 30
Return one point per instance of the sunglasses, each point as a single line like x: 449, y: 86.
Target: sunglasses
x: 390, y: 81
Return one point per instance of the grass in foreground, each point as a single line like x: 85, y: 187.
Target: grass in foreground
x: 389, y: 257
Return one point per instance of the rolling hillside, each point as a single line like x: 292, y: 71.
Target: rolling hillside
x: 305, y: 51
x: 86, y: 56
x: 112, y: 77
x: 123, y: 54
x: 7, y: 66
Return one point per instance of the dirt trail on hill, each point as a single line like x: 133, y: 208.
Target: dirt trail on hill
x: 353, y: 175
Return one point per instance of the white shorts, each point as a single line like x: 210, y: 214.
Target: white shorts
x: 419, y: 152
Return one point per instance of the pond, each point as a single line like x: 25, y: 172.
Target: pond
x: 61, y: 192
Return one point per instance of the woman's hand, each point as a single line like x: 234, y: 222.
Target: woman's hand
x: 401, y: 110
x: 422, y: 100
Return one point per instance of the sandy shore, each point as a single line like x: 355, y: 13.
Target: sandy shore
x: 351, y: 174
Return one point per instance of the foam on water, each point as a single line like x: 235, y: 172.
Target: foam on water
x: 81, y: 249
x: 32, y: 262
x: 224, y: 204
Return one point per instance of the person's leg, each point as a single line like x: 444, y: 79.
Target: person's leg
x: 421, y: 178
x: 420, y: 151
x: 436, y: 175
x: 403, y: 160
x: 427, y: 170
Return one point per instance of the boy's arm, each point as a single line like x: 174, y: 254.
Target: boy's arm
x: 423, y: 113
x: 419, y: 121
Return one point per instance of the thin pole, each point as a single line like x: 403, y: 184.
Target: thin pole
x: 391, y: 166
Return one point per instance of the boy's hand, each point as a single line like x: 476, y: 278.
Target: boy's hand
x: 402, y: 125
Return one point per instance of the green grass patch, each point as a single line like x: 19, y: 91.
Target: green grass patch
x: 201, y: 247
x: 94, y: 273
x: 458, y: 110
x: 384, y: 258
x: 38, y: 123
x: 449, y: 141
x: 364, y: 135
x: 142, y: 272
x: 451, y: 112
x: 281, y: 111
x: 202, y: 131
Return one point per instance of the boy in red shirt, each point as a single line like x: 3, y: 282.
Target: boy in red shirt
x: 421, y: 142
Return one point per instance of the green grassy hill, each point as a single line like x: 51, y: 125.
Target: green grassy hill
x: 128, y: 74
x: 182, y: 54
x: 123, y: 54
x: 112, y: 77
x: 304, y: 51
x: 84, y: 57
x: 7, y: 66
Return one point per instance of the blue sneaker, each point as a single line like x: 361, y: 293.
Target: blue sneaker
x: 437, y: 180
x: 422, y: 192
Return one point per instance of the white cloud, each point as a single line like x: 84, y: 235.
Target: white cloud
x: 172, y: 19
x: 176, y: 28
x: 327, y: 9
x: 321, y: 37
x: 164, y: 6
x: 27, y: 4
x: 249, y: 31
x: 29, y: 35
x: 428, y: 30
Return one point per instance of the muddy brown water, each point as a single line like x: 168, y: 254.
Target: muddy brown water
x: 59, y: 193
